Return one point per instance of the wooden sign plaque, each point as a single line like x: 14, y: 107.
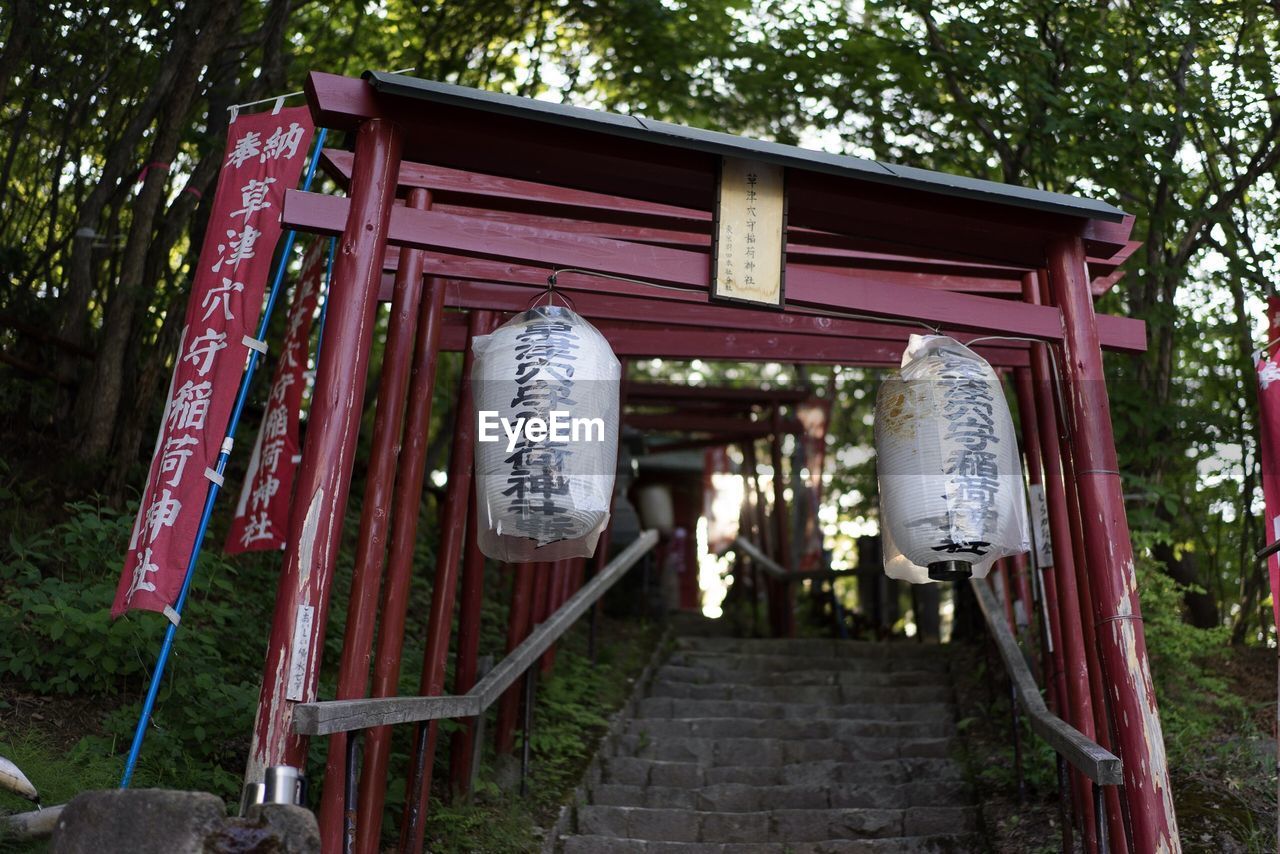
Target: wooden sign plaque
x: 748, y: 248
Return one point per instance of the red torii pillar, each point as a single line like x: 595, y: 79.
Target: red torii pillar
x: 366, y: 579
x: 1062, y: 600
x: 324, y: 478
x: 1112, y: 577
x: 395, y: 592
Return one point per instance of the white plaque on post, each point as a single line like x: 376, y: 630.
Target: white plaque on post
x: 748, y: 247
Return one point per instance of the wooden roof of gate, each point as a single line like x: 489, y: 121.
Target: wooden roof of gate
x: 521, y: 187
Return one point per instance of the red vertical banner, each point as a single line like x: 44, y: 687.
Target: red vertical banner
x: 264, y: 156
x: 261, y: 520
x: 1268, y: 364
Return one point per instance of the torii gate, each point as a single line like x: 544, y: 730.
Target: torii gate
x: 500, y: 191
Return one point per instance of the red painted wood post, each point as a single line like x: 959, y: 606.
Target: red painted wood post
x: 1022, y: 584
x: 785, y: 592
x: 761, y: 528
x: 1053, y: 666
x: 555, y: 581
x: 518, y: 625
x: 542, y: 584
x: 443, y: 594
x: 324, y: 477
x: 1006, y: 592
x: 1085, y: 609
x: 1110, y: 557
x: 1072, y: 693
x: 366, y: 579
x: 405, y: 510
x: 601, y: 557
x: 464, y: 677
x: 1103, y: 710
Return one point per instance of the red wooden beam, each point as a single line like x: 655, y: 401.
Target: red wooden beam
x: 456, y: 186
x: 533, y: 203
x: 606, y: 163
x: 900, y: 270
x: 936, y: 273
x: 676, y: 308
x: 638, y: 392
x: 645, y: 340
x: 720, y: 424
x: 819, y: 289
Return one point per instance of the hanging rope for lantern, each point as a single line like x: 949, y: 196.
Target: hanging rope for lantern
x: 546, y: 392
x: 951, y: 492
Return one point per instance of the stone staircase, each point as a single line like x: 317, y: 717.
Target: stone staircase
x: 789, y: 746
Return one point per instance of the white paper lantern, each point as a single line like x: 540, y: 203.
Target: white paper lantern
x: 657, y: 508
x: 951, y: 492
x: 546, y: 397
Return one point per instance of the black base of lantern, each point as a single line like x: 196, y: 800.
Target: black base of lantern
x: 950, y: 570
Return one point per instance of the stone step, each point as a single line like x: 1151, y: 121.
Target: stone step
x: 670, y: 707
x: 788, y: 677
x: 937, y: 844
x: 779, y: 751
x: 813, y: 647
x: 821, y: 694
x: 743, y: 727
x: 633, y: 771
x: 737, y: 797
x: 774, y: 662
x: 776, y: 826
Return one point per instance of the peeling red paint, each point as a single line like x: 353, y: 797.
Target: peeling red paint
x: 1109, y: 554
x: 325, y: 472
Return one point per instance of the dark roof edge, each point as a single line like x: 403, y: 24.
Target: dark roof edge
x: 714, y: 142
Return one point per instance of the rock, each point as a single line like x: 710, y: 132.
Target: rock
x: 140, y: 821
x: 162, y: 821
x: 269, y: 828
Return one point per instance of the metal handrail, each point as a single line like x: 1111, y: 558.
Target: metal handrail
x: 1100, y: 765
x: 334, y: 716
x: 1092, y: 759
x: 773, y: 569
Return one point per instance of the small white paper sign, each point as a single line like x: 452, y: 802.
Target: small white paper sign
x: 301, y: 649
x: 1040, y: 524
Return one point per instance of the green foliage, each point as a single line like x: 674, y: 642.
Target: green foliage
x: 54, y: 612
x: 571, y: 712
x: 1195, y: 700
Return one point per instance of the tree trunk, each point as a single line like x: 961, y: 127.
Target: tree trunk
x: 100, y: 400
x: 149, y: 381
x: 120, y: 158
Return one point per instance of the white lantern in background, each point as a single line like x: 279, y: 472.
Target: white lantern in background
x: 546, y: 398
x: 951, y: 493
x: 657, y: 508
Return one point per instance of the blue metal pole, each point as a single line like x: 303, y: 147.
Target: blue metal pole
x: 246, y: 380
